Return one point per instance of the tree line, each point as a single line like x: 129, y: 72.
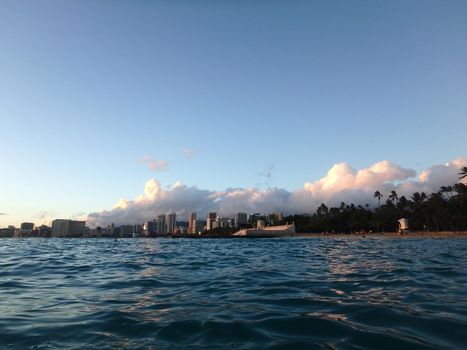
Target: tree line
x: 445, y: 210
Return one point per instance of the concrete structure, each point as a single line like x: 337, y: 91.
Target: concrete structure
x: 27, y: 226
x: 7, y: 232
x: 126, y: 231
x: 171, y: 223
x: 68, y: 228
x: 241, y: 219
x: 222, y: 222
x: 150, y: 228
x: 403, y: 225
x: 278, y: 217
x: 274, y: 218
x: 211, y: 219
x: 136, y: 231
x: 26, y: 230
x: 160, y: 226
x: 253, y: 218
x: 260, y: 224
x: 267, y: 232
x: 112, y: 230
x: 44, y: 231
x: 192, y: 223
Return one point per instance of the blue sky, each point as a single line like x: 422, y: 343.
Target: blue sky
x: 88, y: 88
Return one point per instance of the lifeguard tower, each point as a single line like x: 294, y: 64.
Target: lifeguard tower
x: 403, y: 225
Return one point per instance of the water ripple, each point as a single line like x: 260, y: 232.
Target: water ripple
x: 240, y: 294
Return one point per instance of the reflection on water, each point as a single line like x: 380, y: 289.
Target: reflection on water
x: 271, y: 293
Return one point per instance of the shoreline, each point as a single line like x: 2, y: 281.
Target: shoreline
x: 378, y: 235
x: 415, y: 234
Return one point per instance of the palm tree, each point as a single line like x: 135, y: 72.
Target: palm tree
x: 460, y: 189
x: 393, y: 197
x: 322, y: 210
x: 463, y: 173
x: 423, y: 196
x: 378, y: 195
x: 446, y: 189
x: 416, y: 197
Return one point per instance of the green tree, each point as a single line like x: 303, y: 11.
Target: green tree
x: 463, y: 173
x: 447, y: 190
x: 378, y: 195
x: 393, y: 197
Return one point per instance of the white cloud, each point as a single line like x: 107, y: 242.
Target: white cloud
x: 436, y: 175
x: 188, y: 152
x: 341, y: 183
x: 342, y: 177
x: 154, y: 164
x: 45, y: 218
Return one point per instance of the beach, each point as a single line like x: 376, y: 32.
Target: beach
x: 415, y: 234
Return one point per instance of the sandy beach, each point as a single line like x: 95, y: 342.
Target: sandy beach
x: 416, y: 234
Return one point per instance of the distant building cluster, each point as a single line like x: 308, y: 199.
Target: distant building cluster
x: 162, y: 225
x: 60, y: 228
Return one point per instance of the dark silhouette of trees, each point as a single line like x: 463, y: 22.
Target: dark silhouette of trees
x: 379, y: 196
x: 393, y: 197
x: 463, y: 173
x: 445, y: 210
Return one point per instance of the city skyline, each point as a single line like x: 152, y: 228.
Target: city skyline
x: 341, y: 184
x: 225, y: 106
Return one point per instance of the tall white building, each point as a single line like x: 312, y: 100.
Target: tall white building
x: 241, y: 219
x: 150, y: 228
x: 171, y: 223
x: 70, y: 228
x: 26, y: 228
x: 160, y: 226
x: 210, y: 222
x: 192, y: 223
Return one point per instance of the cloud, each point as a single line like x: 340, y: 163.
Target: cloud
x: 341, y: 183
x: 188, y: 153
x: 154, y: 164
x: 3, y: 214
x: 343, y: 177
x: 436, y: 175
x: 45, y: 218
x: 267, y: 174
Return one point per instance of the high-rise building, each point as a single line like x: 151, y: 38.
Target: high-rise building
x: 277, y: 217
x: 26, y: 228
x: 126, y: 231
x: 7, y: 232
x: 44, y: 231
x: 68, y: 228
x: 160, y: 226
x: 211, y: 220
x: 150, y: 228
x: 253, y: 218
x: 221, y: 222
x: 192, y: 223
x: 171, y: 223
x: 136, y: 231
x: 241, y: 219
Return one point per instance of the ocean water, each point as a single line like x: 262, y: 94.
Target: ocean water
x: 238, y: 293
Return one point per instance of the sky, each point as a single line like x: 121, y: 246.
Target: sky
x: 100, y: 99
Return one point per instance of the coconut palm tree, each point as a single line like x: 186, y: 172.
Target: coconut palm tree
x: 463, y: 173
x: 447, y: 190
x: 378, y: 195
x: 393, y: 197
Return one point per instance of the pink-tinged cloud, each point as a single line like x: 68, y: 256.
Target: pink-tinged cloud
x: 342, y: 183
x: 188, y: 152
x: 154, y: 164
